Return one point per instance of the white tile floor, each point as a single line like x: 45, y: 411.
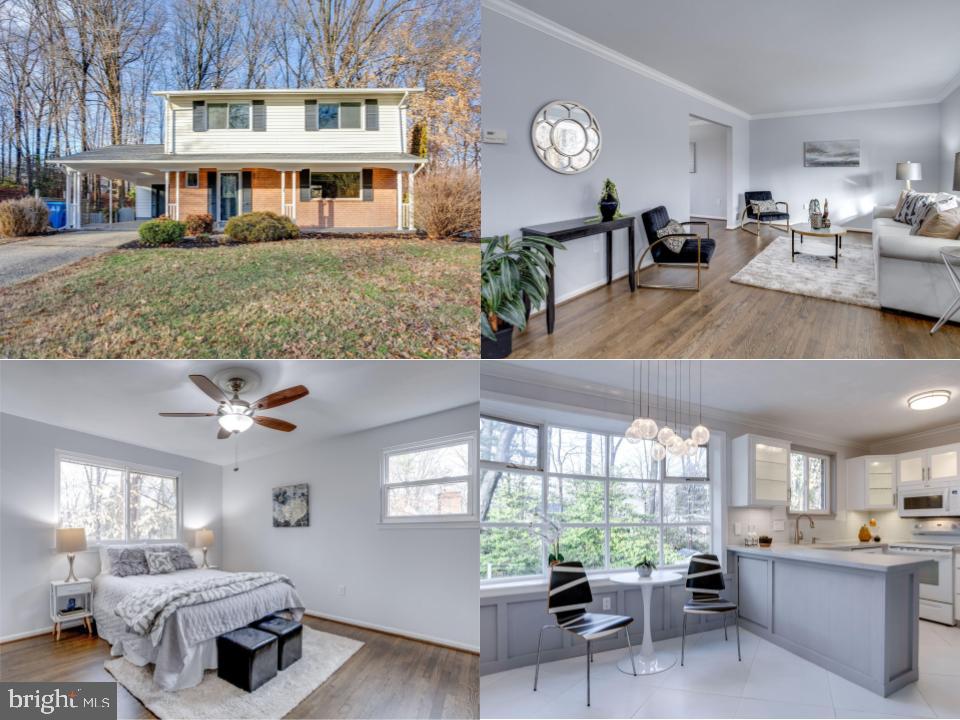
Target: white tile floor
x: 769, y: 683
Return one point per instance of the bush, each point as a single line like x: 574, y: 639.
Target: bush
x: 199, y: 224
x: 155, y: 233
x: 260, y: 227
x: 447, y: 203
x: 26, y: 216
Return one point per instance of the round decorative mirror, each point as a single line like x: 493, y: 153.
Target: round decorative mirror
x: 566, y: 136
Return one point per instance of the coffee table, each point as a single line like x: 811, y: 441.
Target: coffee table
x: 805, y: 229
x: 951, y: 258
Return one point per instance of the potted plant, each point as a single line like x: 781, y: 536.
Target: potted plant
x: 765, y: 541
x: 645, y: 567
x: 609, y: 201
x: 549, y: 532
x: 513, y: 277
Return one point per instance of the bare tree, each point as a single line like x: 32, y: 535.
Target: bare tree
x: 203, y: 36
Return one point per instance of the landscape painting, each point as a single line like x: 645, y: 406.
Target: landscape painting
x: 291, y: 506
x: 831, y: 153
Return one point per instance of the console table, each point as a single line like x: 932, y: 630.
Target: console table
x: 584, y: 227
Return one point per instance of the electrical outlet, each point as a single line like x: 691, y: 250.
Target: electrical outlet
x: 606, y: 603
x: 738, y: 528
x: 341, y: 589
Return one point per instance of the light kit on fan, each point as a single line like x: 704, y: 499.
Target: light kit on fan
x: 645, y: 427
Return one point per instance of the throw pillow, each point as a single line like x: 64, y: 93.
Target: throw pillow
x: 765, y: 206
x: 914, y: 204
x: 159, y: 562
x: 126, y: 561
x: 944, y: 225
x: 903, y: 196
x: 179, y: 555
x: 674, y: 244
x: 937, y: 204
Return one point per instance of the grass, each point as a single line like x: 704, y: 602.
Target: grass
x: 300, y: 298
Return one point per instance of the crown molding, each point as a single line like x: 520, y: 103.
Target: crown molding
x: 950, y: 88
x: 846, y: 108
x: 878, y: 448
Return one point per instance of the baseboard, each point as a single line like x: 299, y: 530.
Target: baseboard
x: 707, y: 217
x: 28, y: 634
x: 475, y: 649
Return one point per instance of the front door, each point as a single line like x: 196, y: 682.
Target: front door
x: 229, y: 195
x: 158, y: 197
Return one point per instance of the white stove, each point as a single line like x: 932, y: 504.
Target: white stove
x: 938, y: 540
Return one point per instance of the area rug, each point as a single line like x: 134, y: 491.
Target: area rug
x: 853, y: 282
x: 323, y: 654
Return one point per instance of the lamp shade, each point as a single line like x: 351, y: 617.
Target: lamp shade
x: 204, y: 538
x: 956, y: 174
x: 70, y: 540
x: 909, y: 171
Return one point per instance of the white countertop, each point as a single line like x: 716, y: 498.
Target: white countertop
x: 832, y: 555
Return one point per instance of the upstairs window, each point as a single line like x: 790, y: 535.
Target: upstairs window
x: 233, y: 116
x: 340, y: 116
x: 328, y: 116
x: 809, y: 483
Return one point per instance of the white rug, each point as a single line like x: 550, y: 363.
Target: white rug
x: 853, y: 282
x: 323, y: 654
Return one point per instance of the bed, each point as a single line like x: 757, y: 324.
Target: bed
x: 186, y: 644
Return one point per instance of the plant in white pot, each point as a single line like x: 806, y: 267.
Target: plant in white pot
x: 645, y: 567
x: 549, y: 532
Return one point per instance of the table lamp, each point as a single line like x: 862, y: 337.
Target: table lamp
x: 909, y: 171
x: 71, y: 541
x: 204, y: 539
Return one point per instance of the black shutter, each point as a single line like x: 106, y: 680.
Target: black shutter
x: 212, y: 193
x: 199, y: 116
x: 372, y: 108
x: 309, y: 114
x: 259, y: 116
x: 367, y: 184
x: 247, y: 192
x: 305, y: 183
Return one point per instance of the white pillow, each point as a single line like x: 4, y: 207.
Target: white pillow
x: 105, y: 567
x: 159, y: 562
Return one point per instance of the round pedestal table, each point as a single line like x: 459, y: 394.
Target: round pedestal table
x: 647, y: 661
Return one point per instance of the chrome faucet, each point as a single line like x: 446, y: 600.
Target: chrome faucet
x: 798, y: 535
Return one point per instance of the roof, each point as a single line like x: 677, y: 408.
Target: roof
x: 290, y: 91
x: 154, y: 155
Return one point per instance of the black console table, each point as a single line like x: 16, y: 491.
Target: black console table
x: 584, y: 227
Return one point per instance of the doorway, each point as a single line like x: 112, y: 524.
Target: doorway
x: 709, y: 169
x: 158, y: 200
x: 229, y: 195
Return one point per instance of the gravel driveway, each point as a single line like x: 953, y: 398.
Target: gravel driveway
x: 26, y: 259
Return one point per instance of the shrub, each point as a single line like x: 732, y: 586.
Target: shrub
x: 26, y: 216
x: 155, y: 233
x: 447, y: 203
x: 260, y: 227
x: 199, y: 224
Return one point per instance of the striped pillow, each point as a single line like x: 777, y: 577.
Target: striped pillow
x: 940, y: 203
x: 914, y: 205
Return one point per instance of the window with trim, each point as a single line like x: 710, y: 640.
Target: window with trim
x: 613, y: 501
x: 431, y: 481
x: 232, y: 116
x: 340, y: 116
x: 192, y: 180
x: 809, y: 483
x: 335, y: 185
x: 116, y: 502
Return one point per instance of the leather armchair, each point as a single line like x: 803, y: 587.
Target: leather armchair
x: 695, y: 254
x: 751, y: 212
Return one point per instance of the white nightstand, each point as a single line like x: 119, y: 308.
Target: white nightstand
x: 60, y: 593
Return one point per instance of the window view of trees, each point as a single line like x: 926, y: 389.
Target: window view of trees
x: 808, y: 482
x: 614, y: 502
x: 431, y: 481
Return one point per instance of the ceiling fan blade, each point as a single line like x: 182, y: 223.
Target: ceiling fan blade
x: 281, y: 397
x: 223, y: 434
x: 186, y: 414
x: 274, y: 424
x: 209, y: 387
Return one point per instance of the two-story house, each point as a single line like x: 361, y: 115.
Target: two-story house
x: 326, y: 158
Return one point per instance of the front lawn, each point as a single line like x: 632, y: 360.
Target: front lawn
x: 301, y: 298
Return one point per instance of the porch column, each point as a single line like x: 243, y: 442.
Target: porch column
x: 410, y: 223
x: 399, y: 200
x: 78, y: 184
x: 296, y: 195
x: 67, y: 179
x: 110, y: 203
x: 283, y: 192
x: 166, y: 193
x: 177, y: 181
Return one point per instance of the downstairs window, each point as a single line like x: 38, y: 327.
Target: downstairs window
x: 335, y: 185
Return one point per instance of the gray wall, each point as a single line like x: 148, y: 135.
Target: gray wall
x: 708, y: 185
x: 28, y: 517
x: 950, y: 130
x: 886, y: 137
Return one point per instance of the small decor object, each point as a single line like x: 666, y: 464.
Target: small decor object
x: 816, y: 214
x: 645, y: 567
x: 566, y: 137
x: 71, y: 604
x: 71, y: 541
x: 549, y: 532
x: 876, y: 538
x: 765, y: 541
x: 204, y: 539
x: 609, y: 201
x: 831, y: 153
x: 826, y: 213
x: 291, y: 506
x: 693, y: 158
x: 864, y: 535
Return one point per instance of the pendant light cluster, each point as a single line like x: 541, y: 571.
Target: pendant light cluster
x: 645, y: 427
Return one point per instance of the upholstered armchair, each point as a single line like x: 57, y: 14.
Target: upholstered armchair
x: 695, y: 252
x: 754, y: 213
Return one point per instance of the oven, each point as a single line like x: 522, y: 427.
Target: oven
x: 936, y: 580
x: 930, y: 502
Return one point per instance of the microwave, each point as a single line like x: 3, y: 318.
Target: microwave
x: 930, y: 502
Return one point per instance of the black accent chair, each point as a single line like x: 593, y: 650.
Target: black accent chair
x: 705, y: 583
x: 750, y: 212
x: 289, y: 634
x: 695, y: 253
x: 247, y: 657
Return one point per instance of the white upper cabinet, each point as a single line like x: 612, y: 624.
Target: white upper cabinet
x: 935, y: 466
x: 872, y: 482
x: 761, y: 471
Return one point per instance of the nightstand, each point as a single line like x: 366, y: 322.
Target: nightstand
x: 60, y: 593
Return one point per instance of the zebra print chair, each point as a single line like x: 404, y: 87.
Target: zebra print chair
x: 567, y: 600
x: 705, y: 583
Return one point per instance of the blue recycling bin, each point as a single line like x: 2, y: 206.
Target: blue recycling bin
x: 58, y: 213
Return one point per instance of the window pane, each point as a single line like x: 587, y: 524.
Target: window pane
x: 686, y: 467
x: 509, y: 497
x: 439, y: 499
x: 507, y: 442
x: 153, y: 507
x: 815, y: 485
x: 634, y: 502
x: 433, y: 463
x: 796, y: 482
x: 239, y: 116
x: 579, y: 501
x: 350, y: 115
x: 633, y: 460
x: 576, y: 453
x: 333, y: 185
x: 689, y: 502
x: 679, y: 543
x: 629, y: 545
x: 583, y: 544
x: 91, y: 497
x: 327, y: 116
x: 508, y: 552
x: 217, y: 116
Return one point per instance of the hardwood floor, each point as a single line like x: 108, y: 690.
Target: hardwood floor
x: 728, y: 320
x: 389, y: 677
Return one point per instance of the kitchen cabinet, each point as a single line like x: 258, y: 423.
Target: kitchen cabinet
x: 872, y: 482
x: 934, y: 466
x: 761, y: 471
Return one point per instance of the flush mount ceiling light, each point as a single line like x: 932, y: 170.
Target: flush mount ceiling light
x: 928, y: 400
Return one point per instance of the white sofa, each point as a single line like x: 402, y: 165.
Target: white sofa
x: 911, y: 275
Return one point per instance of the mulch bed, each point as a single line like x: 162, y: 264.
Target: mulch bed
x: 220, y: 240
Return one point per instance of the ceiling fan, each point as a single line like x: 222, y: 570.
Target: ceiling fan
x: 236, y: 415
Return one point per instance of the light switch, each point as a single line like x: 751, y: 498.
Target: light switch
x: 738, y: 528
x: 495, y: 137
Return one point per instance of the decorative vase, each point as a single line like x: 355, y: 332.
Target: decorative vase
x: 499, y: 348
x: 608, y: 208
x: 816, y: 215
x: 865, y: 535
x: 644, y: 571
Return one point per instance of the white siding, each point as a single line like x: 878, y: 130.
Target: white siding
x: 285, y: 129
x: 143, y: 203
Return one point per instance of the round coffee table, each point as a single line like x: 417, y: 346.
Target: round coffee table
x: 647, y: 661
x: 951, y: 258
x: 805, y: 229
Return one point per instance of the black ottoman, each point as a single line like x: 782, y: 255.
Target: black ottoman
x: 289, y: 635
x: 247, y: 657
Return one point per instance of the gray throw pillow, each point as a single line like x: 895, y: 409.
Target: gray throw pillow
x: 674, y: 244
x: 159, y: 562
x: 179, y: 555
x: 914, y: 204
x: 126, y: 561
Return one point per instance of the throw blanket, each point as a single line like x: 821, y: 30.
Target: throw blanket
x: 147, y: 611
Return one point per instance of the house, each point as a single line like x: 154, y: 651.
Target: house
x: 326, y: 158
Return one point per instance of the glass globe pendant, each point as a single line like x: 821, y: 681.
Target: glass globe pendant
x: 676, y: 446
x: 691, y: 447
x: 647, y: 427
x: 664, y: 435
x: 700, y: 435
x: 658, y: 452
x: 633, y: 433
